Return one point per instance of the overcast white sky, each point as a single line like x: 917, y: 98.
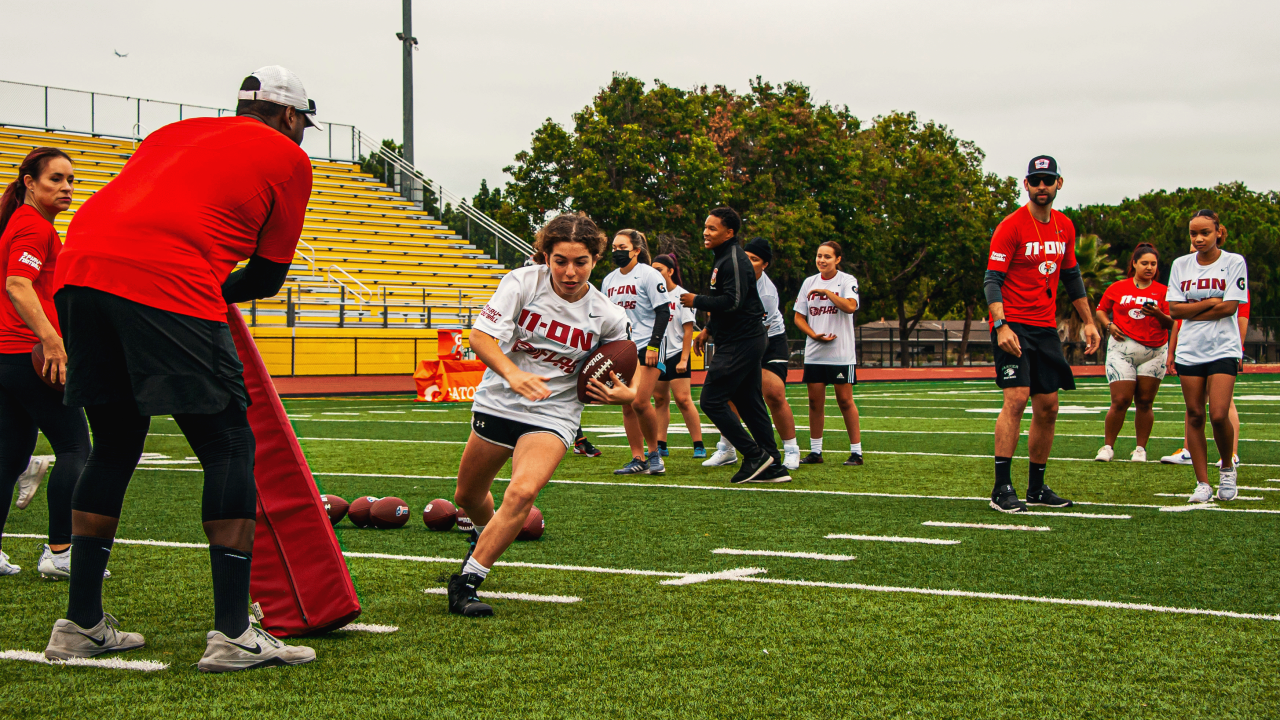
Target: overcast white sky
x: 1128, y: 95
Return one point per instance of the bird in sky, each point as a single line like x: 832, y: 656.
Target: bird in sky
x: 120, y: 54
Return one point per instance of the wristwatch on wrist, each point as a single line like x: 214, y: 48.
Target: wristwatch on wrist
x: 998, y: 324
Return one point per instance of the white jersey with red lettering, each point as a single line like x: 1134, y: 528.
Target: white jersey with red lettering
x: 673, y: 341
x: 544, y: 334
x: 1202, y: 341
x: 772, y: 305
x: 639, y: 292
x: 827, y: 319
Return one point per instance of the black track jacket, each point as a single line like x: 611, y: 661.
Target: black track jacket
x: 733, y: 305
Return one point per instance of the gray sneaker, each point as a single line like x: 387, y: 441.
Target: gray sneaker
x: 57, y: 566
x: 635, y: 467
x: 8, y: 568
x: 254, y: 649
x: 69, y: 640
x: 30, y: 479
x: 655, y: 466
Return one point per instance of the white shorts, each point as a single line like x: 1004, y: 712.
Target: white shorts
x: 1129, y: 359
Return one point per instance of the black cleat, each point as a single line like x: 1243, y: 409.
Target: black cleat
x: 462, y: 596
x: 584, y: 447
x: 473, y: 537
x: 752, y: 468
x: 1044, y: 497
x: 775, y: 473
x: 854, y: 459
x: 812, y: 458
x: 1005, y: 499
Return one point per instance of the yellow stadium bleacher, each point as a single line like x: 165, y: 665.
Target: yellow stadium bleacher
x: 367, y: 257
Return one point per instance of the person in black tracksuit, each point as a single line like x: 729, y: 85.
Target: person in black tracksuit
x: 736, y: 324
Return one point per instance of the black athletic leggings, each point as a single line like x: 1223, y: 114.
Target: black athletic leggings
x: 28, y: 405
x: 223, y: 441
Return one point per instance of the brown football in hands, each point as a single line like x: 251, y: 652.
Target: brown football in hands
x: 618, y: 357
x: 439, y: 515
x: 37, y: 361
x: 534, y: 525
x: 335, y: 507
x: 359, y: 509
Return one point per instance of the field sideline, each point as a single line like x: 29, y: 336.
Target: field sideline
x: 880, y: 591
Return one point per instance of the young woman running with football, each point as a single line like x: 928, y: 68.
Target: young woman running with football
x: 1135, y: 313
x: 29, y: 248
x: 824, y: 312
x: 1205, y: 289
x: 642, y: 292
x: 674, y: 380
x: 533, y: 336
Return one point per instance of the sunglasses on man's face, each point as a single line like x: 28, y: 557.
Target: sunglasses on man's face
x: 1038, y: 180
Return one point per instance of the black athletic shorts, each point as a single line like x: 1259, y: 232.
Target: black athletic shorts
x: 670, y: 373
x: 119, y: 350
x: 1222, y: 366
x: 777, y: 356
x: 831, y: 374
x: 1042, y: 366
x: 504, y: 432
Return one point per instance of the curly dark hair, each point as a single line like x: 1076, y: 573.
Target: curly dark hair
x: 569, y: 227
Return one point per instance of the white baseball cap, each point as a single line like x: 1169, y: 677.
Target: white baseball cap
x: 280, y: 86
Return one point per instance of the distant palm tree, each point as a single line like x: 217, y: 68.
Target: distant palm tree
x: 1098, y: 272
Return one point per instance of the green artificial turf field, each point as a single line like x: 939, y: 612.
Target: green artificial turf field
x: 1095, y: 617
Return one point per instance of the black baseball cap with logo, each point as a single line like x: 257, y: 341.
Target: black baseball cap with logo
x: 1042, y: 165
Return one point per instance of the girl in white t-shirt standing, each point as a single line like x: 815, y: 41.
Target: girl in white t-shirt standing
x: 642, y: 292
x: 824, y: 311
x: 533, y: 336
x: 675, y: 379
x: 1205, y: 289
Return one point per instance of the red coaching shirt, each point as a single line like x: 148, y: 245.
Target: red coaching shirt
x: 1032, y: 254
x: 1124, y: 301
x: 29, y: 248
x: 196, y: 198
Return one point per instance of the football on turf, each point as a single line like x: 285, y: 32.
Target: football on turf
x: 618, y: 357
x: 335, y: 506
x: 358, y: 511
x: 389, y: 513
x: 464, y: 522
x: 439, y: 515
x: 533, y: 526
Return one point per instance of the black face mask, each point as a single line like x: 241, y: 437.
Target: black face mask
x: 621, y: 258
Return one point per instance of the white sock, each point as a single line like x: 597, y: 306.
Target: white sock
x: 475, y: 568
x: 815, y: 445
x: 791, y: 445
x: 855, y: 448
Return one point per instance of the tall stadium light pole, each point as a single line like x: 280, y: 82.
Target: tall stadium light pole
x: 409, y: 43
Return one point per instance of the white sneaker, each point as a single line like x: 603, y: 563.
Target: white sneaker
x: 69, y: 640
x: 1227, y: 484
x: 1181, y: 457
x: 57, y: 566
x: 724, y: 455
x: 6, y: 567
x: 1235, y: 460
x: 1203, y: 493
x: 1139, y: 454
x: 254, y: 649
x: 30, y: 479
x: 1106, y: 454
x: 791, y: 458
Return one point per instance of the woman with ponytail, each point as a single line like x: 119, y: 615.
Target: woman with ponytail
x: 29, y: 247
x: 1135, y: 314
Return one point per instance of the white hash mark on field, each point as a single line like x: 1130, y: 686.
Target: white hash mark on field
x: 1187, y: 495
x: 512, y: 596
x: 369, y: 628
x: 783, y: 553
x: 892, y: 538
x: 110, y: 663
x: 722, y: 575
x: 1096, y: 516
x: 987, y: 526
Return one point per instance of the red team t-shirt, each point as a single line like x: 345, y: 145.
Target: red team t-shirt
x: 196, y: 198
x: 1124, y: 301
x: 29, y: 248
x: 1032, y: 254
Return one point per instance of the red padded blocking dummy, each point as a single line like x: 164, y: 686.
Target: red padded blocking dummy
x: 300, y: 578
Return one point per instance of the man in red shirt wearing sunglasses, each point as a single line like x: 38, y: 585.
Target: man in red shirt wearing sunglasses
x: 1031, y: 249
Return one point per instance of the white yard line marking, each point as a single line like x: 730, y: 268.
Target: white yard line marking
x: 109, y: 663
x: 1259, y: 489
x: 1210, y: 506
x: 782, y: 553
x: 1021, y: 598
x: 512, y: 596
x: 338, y: 413
x: 1187, y: 495
x: 124, y: 541
x: 987, y: 526
x: 1079, y: 515
x: 365, y: 627
x: 722, y: 575
x: 892, y: 538
x: 386, y: 412
x: 538, y: 566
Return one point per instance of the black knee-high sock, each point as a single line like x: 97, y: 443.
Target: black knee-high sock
x: 1035, y: 477
x: 1003, y: 466
x: 230, y: 589
x: 88, y: 561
